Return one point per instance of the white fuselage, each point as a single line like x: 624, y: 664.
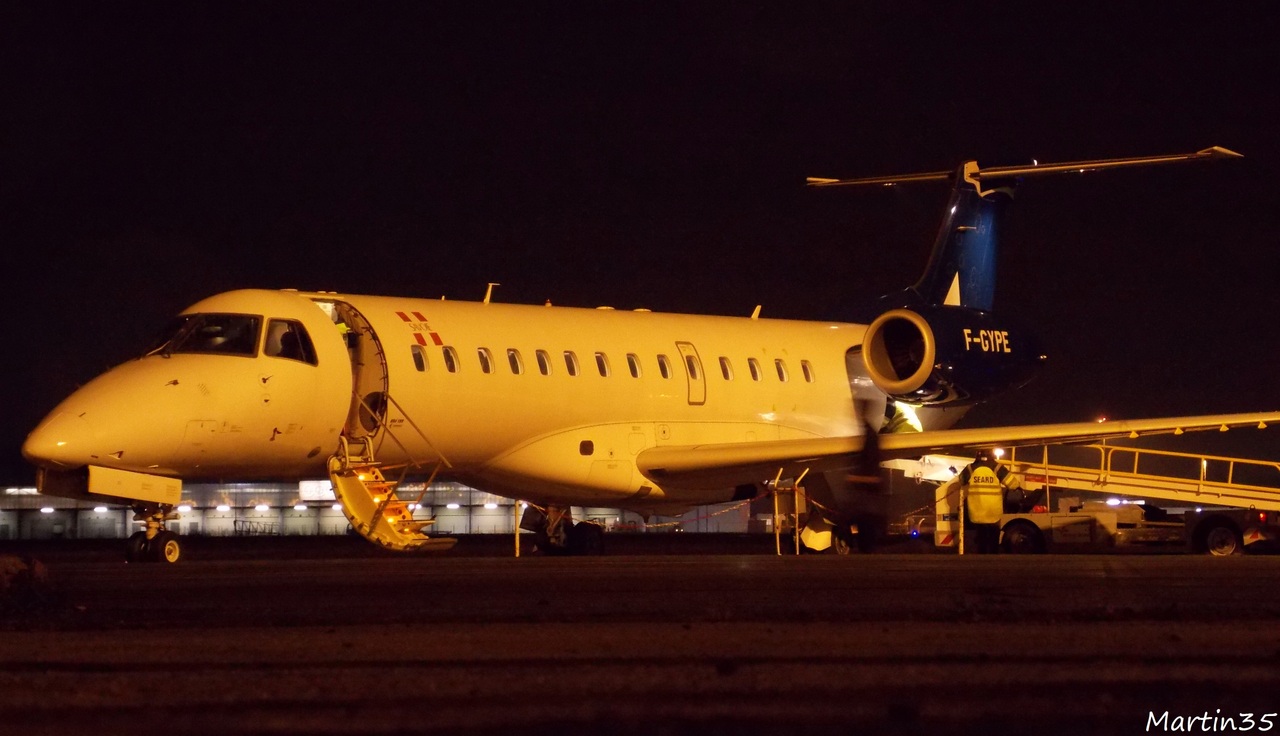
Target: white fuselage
x: 570, y: 396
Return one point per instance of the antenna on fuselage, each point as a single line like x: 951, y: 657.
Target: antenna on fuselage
x: 489, y: 291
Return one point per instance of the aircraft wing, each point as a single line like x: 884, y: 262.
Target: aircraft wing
x: 732, y: 464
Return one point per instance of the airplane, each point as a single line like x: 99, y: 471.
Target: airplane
x: 561, y: 406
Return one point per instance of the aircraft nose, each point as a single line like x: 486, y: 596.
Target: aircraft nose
x: 64, y: 441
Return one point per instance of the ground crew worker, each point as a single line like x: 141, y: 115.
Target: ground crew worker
x: 985, y: 481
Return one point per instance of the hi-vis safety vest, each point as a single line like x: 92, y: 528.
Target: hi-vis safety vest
x: 985, y: 482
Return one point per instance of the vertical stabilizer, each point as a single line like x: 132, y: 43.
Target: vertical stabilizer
x: 962, y: 267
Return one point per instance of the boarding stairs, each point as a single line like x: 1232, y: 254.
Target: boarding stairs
x: 371, y: 501
x: 1188, y: 478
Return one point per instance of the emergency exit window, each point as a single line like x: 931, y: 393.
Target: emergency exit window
x: 692, y: 366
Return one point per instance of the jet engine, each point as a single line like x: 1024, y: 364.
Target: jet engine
x: 934, y: 355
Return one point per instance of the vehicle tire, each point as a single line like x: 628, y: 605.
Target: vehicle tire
x: 135, y: 548
x: 1222, y: 540
x: 1022, y: 538
x: 841, y: 544
x: 165, y: 547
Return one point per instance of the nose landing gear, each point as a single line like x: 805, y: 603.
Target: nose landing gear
x: 156, y: 543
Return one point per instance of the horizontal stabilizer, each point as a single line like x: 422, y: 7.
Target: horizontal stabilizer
x: 1010, y: 172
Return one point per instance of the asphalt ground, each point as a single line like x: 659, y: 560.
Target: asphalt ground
x: 691, y: 634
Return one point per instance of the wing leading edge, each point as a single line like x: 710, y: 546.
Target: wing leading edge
x: 731, y: 464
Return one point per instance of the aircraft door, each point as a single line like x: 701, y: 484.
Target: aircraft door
x: 693, y: 369
x: 368, y: 372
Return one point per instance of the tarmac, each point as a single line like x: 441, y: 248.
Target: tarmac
x: 664, y: 634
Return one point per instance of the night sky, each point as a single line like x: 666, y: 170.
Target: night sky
x: 644, y: 155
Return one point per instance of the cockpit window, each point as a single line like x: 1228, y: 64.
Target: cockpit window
x: 226, y: 334
x: 287, y: 338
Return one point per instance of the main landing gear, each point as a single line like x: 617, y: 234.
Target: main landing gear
x: 555, y: 533
x: 156, y: 543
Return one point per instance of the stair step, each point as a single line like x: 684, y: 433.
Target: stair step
x: 413, y: 527
x: 369, y: 502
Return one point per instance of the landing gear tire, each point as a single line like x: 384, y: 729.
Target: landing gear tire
x: 155, y: 544
x: 1223, y: 541
x: 165, y: 547
x: 1022, y: 538
x: 586, y: 539
x: 135, y: 549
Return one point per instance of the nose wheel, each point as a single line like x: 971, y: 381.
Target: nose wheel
x: 155, y: 543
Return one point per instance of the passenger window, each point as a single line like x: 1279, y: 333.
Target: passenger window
x: 754, y: 365
x: 664, y: 366
x: 807, y: 369
x: 513, y: 357
x: 287, y: 338
x: 633, y: 364
x: 782, y: 369
x: 486, y: 360
x: 450, y: 359
x: 726, y: 370
x: 570, y: 363
x: 544, y: 362
x: 602, y: 364
x: 692, y: 365
x: 419, y: 358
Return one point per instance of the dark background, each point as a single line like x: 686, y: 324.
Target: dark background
x: 643, y: 155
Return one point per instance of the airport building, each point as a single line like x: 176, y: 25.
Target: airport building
x: 310, y: 508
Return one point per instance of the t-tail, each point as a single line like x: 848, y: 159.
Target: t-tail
x: 938, y: 342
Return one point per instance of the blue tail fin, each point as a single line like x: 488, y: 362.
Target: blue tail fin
x: 962, y: 267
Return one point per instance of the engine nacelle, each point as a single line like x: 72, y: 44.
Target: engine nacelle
x: 931, y: 355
